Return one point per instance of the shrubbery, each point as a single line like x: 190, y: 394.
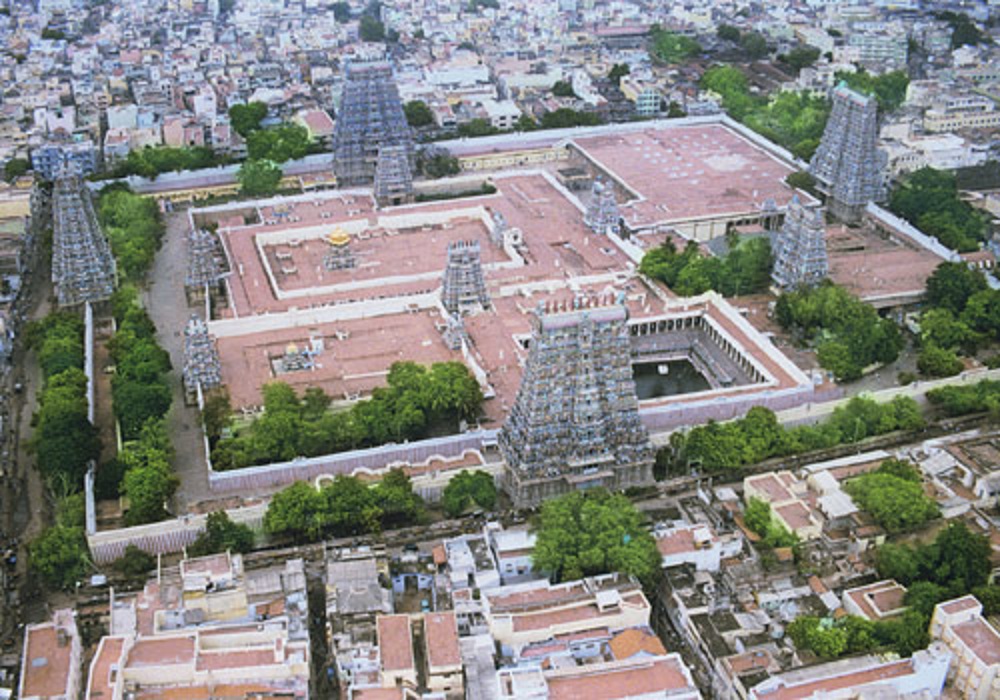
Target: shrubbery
x: 848, y: 333
x: 469, y: 487
x: 417, y: 401
x: 745, y: 270
x: 758, y: 436
x: 152, y: 161
x: 348, y: 506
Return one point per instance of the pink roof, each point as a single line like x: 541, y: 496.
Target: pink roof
x: 879, y: 599
x: 858, y: 679
x: 959, y: 604
x: 46, y: 663
x: 441, y: 633
x: 109, y: 652
x: 772, y: 486
x: 795, y: 514
x: 656, y: 676
x: 394, y: 642
x: 163, y: 651
x: 981, y: 638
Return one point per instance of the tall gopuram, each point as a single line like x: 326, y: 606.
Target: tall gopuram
x: 848, y: 166
x: 370, y: 118
x: 575, y: 423
x: 800, y: 248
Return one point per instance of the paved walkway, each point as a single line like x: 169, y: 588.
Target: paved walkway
x: 168, y: 308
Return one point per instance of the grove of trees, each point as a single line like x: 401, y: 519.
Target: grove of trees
x: 894, y: 496
x: 60, y: 556
x: 888, y: 88
x: 154, y: 160
x: 757, y: 437
x: 418, y: 401
x: 133, y: 226
x: 929, y: 200
x: 347, y: 506
x: 149, y: 480
x: 64, y: 440
x: 259, y: 178
x: 139, y: 388
x: 746, y: 269
x: 671, y: 47
x: 848, y: 334
x: 969, y: 398
x: 594, y: 532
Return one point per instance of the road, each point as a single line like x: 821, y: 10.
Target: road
x: 167, y: 305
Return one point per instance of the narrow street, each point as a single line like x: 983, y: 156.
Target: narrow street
x: 167, y: 305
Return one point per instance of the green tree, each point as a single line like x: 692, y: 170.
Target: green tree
x: 922, y: 596
x: 371, y: 29
x: 563, y: 88
x: 217, y: 413
x: 728, y: 32
x: 148, y: 488
x: 341, y: 12
x: 418, y: 113
x: 671, y: 47
x: 584, y: 534
x: 934, y: 361
x: 60, y: 556
x: 296, y: 511
x: 951, y: 285
x: 222, y: 534
x: 259, y: 178
x: 15, y: 168
x: 469, y: 487
x: 617, y: 72
x: 754, y: 44
x: 134, y: 563
x: 989, y: 596
x: 800, y: 57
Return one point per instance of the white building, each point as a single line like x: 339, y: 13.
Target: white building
x: 683, y: 543
x: 960, y: 625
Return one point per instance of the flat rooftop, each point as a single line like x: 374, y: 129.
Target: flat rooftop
x: 688, y: 172
x: 47, y: 659
x: 876, y: 267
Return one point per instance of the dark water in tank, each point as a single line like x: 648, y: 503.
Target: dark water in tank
x: 681, y: 378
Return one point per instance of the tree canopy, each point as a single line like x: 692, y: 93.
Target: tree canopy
x: 671, y: 47
x: 746, y: 269
x: 929, y: 200
x: 585, y: 534
x: 889, y: 88
x: 259, y: 178
x: 149, y: 481
x: 278, y: 144
x: 247, y: 118
x: 418, y: 113
x: 151, y: 161
x: 222, y: 534
x: 60, y: 556
x: 134, y: 228
x: 758, y: 436
x: 139, y: 389
x: 417, y: 401
x: 849, y: 334
x: 347, y: 506
x: 466, y: 488
x: 958, y: 560
x: 893, y: 494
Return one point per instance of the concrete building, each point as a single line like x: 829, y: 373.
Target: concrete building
x: 877, y: 601
x: 962, y: 112
x: 922, y: 675
x: 698, y: 545
x: 50, y: 662
x: 960, y: 625
x: 53, y: 159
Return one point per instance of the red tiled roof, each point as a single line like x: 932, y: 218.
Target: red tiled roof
x: 394, y: 642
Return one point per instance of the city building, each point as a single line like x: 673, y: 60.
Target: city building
x: 50, y: 662
x: 54, y: 159
x: 959, y: 624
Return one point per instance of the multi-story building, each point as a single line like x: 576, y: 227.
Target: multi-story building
x: 960, y: 625
x: 966, y: 112
x: 51, y: 159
